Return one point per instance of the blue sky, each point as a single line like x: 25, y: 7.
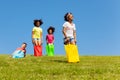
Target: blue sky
x: 97, y: 23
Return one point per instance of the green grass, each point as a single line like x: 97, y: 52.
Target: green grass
x: 57, y: 68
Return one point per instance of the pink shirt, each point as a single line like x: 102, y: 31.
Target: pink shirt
x: 50, y: 38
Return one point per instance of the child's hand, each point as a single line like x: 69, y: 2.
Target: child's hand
x: 67, y: 39
x: 23, y: 51
x: 53, y: 42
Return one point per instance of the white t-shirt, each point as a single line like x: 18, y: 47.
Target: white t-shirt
x: 69, y: 29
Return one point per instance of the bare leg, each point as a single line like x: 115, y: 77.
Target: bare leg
x: 73, y: 42
x: 39, y: 42
x: 35, y: 42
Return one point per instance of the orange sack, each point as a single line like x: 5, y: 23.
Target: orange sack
x: 37, y: 50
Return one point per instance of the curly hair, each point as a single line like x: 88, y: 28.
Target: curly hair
x: 36, y: 20
x: 51, y: 28
x: 66, y: 16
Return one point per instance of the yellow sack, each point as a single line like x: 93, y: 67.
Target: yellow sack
x: 72, y: 53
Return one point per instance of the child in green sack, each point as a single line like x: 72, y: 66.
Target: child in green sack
x: 50, y: 41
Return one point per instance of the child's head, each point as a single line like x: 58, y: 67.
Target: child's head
x: 38, y: 23
x: 24, y: 45
x: 51, y: 30
x: 68, y: 17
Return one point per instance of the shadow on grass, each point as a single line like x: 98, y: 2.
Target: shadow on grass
x: 60, y: 61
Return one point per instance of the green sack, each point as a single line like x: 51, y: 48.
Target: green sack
x: 50, y: 49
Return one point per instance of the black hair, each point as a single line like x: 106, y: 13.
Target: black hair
x: 51, y: 28
x: 36, y: 20
x: 66, y: 16
x: 24, y: 43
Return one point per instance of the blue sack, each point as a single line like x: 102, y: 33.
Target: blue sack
x: 18, y: 54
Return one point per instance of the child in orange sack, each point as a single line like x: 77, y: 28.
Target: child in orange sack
x: 37, y: 37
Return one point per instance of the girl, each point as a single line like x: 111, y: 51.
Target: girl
x: 50, y: 36
x: 50, y: 41
x: 37, y: 37
x: 69, y: 30
x: 37, y: 32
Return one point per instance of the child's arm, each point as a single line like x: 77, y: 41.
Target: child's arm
x: 24, y: 51
x: 32, y: 33
x: 74, y: 34
x: 41, y: 38
x: 53, y: 40
x: 47, y: 39
x: 32, y: 36
x: 64, y: 32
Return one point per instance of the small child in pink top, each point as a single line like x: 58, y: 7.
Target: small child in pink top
x: 50, y: 36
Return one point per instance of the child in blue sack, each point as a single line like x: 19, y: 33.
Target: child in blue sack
x: 20, y: 52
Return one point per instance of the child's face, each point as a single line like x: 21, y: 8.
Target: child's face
x: 50, y: 31
x: 70, y: 17
x: 37, y: 24
x: 23, y: 46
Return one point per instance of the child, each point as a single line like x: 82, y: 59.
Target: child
x: 50, y: 41
x: 69, y: 32
x: 37, y: 32
x: 69, y: 29
x: 50, y: 36
x: 20, y: 52
x: 37, y: 37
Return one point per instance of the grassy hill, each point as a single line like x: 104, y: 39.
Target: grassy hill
x: 57, y: 68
